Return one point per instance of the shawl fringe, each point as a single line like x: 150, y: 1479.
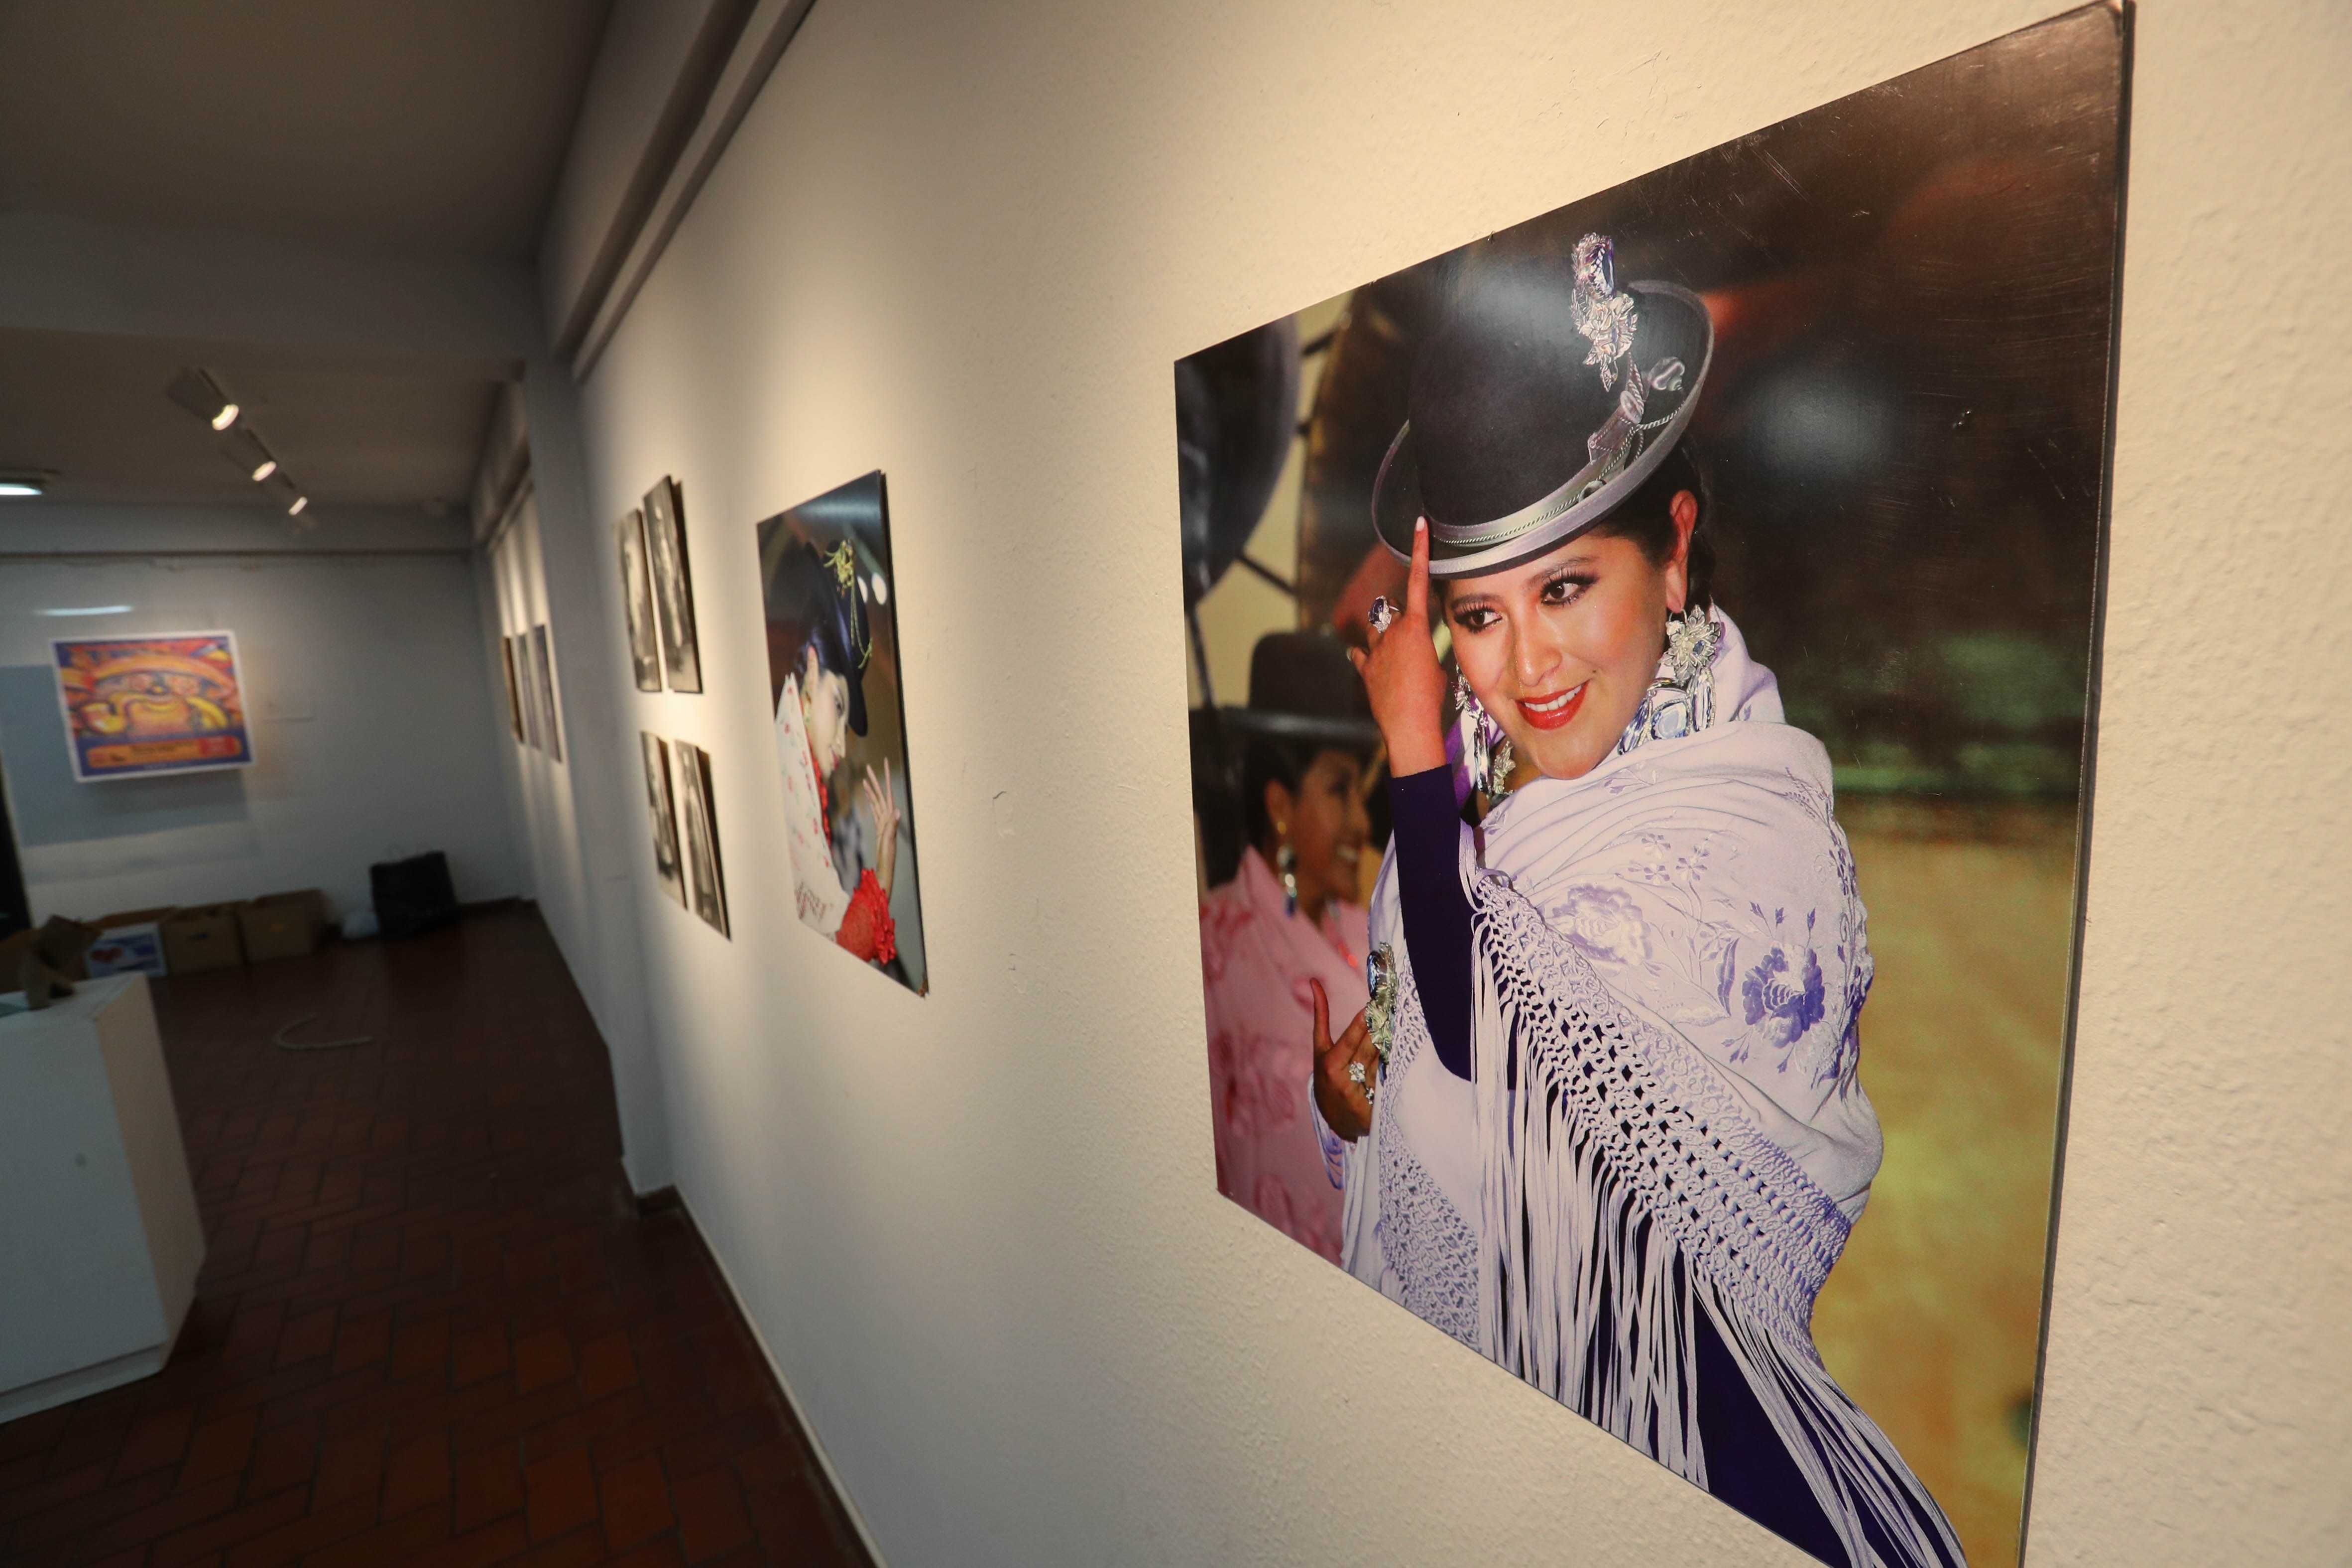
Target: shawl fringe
x: 1623, y: 1193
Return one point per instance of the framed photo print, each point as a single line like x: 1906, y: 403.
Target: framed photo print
x: 514, y: 690
x: 661, y: 802
x: 637, y: 601
x: 1667, y: 996
x: 543, y: 672
x: 705, y: 879
x: 834, y: 674
x: 673, y: 585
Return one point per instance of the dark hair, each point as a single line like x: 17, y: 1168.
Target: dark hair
x: 1264, y: 761
x: 1647, y: 517
x: 809, y: 611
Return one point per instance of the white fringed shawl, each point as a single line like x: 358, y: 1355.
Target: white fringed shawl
x: 1669, y: 960
x: 817, y: 894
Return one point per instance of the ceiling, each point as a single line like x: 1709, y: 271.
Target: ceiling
x: 431, y: 125
x: 351, y: 429
x: 424, y: 128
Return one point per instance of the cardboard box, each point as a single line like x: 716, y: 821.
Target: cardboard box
x: 201, y: 939
x: 135, y: 949
x: 121, y: 918
x: 63, y: 945
x: 282, y: 925
x: 12, y: 961
x: 130, y: 940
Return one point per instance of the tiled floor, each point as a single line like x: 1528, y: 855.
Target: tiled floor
x: 431, y: 1327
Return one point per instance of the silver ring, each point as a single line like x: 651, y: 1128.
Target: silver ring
x: 1356, y: 1072
x: 1381, y: 613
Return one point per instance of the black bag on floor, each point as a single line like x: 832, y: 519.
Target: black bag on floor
x: 413, y: 896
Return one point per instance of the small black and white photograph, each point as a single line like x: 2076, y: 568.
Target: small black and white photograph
x: 543, y: 674
x: 661, y: 800
x: 673, y: 585
x: 706, y: 880
x: 514, y: 691
x: 637, y: 601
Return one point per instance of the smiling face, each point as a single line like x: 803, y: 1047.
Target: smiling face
x: 1327, y: 827
x: 825, y: 713
x: 1561, y: 649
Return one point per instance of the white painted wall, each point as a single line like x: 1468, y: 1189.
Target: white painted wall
x: 365, y: 690
x: 979, y: 1231
x: 550, y: 565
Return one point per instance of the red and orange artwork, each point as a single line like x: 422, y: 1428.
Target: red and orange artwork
x: 141, y: 706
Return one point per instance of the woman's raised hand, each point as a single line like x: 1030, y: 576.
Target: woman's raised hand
x: 1402, y: 676
x: 1346, y: 1104
x: 884, y: 809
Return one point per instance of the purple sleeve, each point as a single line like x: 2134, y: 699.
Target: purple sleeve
x: 1437, y: 912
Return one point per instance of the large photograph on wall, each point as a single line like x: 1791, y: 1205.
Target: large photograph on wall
x: 1640, y: 674
x: 833, y: 676
x: 138, y: 707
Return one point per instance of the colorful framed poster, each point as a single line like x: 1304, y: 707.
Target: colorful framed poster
x: 542, y: 676
x: 1721, y: 555
x: 143, y: 706
x: 673, y: 585
x: 834, y: 680
x: 661, y: 802
x: 637, y: 602
x: 706, y: 878
x: 514, y: 691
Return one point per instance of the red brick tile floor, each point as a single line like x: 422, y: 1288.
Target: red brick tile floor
x: 432, y: 1327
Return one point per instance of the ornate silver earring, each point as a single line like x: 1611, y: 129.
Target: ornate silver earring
x: 1285, y: 863
x: 1485, y: 749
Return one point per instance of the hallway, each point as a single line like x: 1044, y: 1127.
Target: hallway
x: 431, y: 1325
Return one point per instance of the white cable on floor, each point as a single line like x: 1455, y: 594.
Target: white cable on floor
x: 316, y: 1045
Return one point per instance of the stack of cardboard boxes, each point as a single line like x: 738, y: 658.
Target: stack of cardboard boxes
x: 175, y: 940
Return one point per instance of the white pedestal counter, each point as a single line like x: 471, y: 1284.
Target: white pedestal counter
x: 99, y: 1238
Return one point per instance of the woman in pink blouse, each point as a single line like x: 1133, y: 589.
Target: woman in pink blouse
x: 1289, y: 916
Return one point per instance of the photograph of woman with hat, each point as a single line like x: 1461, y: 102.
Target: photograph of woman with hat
x: 833, y: 671
x: 1721, y: 552
x: 1289, y: 920
x: 1612, y: 1135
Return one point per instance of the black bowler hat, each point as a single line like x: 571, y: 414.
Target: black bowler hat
x: 1546, y: 399
x: 1303, y: 688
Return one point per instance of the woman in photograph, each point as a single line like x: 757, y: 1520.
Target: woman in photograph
x: 1289, y: 920
x: 817, y: 636
x: 1607, y: 1128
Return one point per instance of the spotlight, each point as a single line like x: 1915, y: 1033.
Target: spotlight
x: 19, y: 485
x: 243, y: 447
x: 200, y: 395
x: 299, y: 502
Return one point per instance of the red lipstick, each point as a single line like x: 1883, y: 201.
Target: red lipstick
x: 1556, y: 711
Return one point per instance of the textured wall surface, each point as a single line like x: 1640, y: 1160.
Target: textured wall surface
x: 978, y: 1230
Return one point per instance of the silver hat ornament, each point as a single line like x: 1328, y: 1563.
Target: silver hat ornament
x: 1513, y: 443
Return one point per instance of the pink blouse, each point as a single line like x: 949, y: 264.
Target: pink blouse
x: 1256, y: 962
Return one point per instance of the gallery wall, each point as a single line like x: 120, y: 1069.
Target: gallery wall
x: 366, y: 689
x: 977, y: 1231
